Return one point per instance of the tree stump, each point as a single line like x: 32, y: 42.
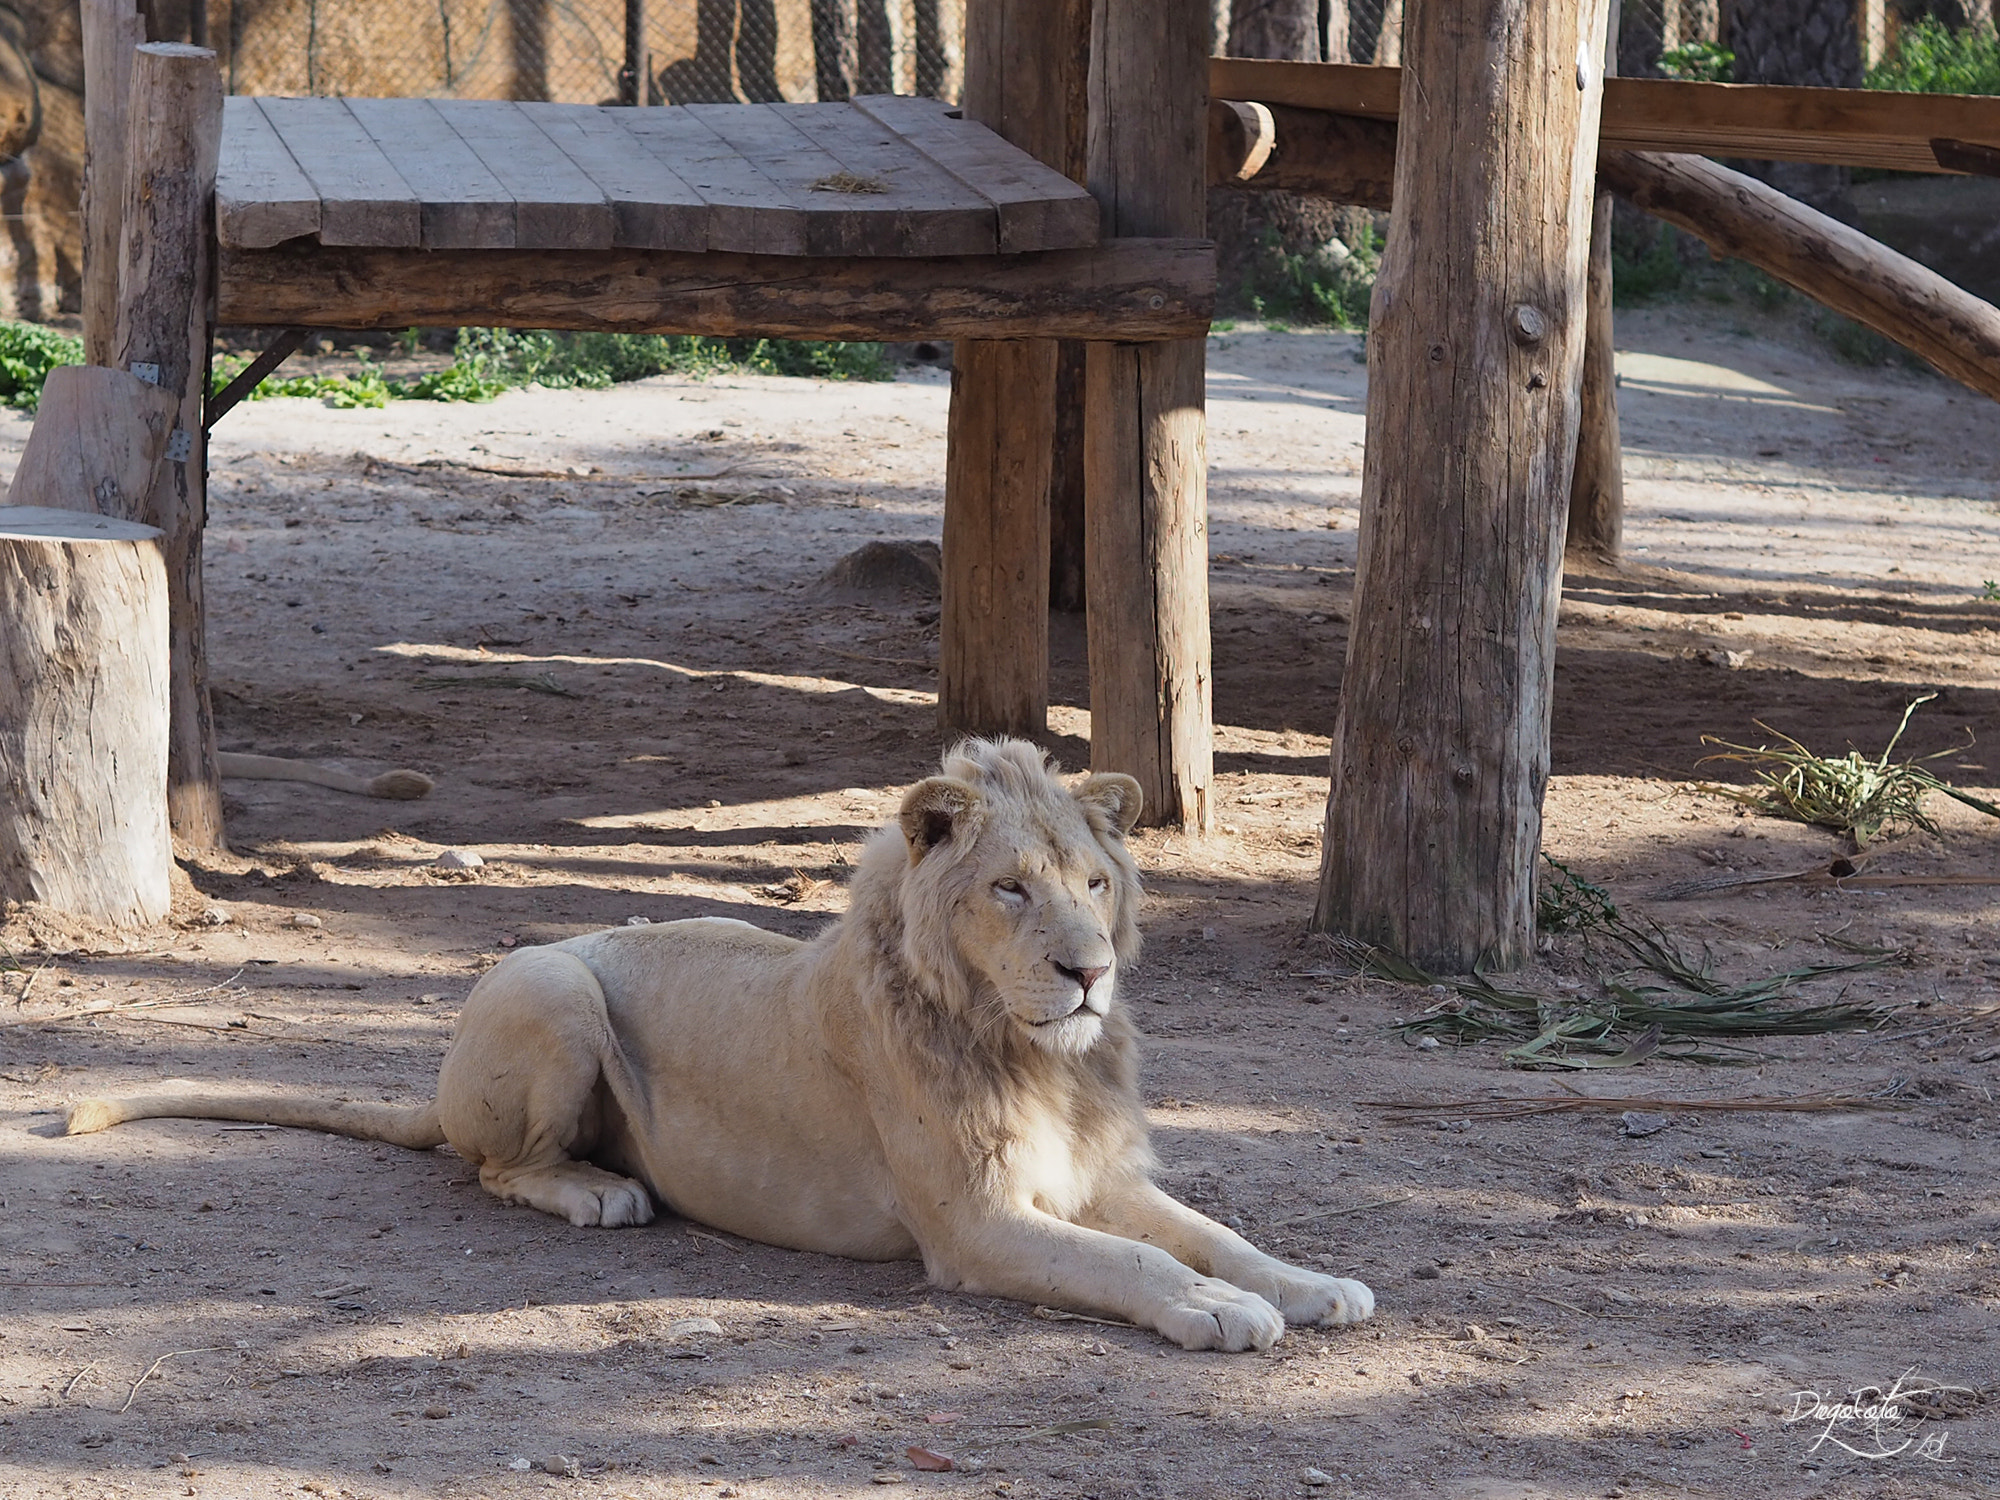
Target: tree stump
x: 83, y: 715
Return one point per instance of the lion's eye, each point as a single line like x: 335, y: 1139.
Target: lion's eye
x: 1099, y: 884
x: 1009, y: 887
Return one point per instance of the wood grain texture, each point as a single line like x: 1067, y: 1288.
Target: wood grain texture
x: 1001, y: 454
x: 461, y: 205
x: 111, y: 30
x: 83, y: 716
x: 1440, y: 753
x: 262, y: 198
x: 931, y: 210
x: 1146, y: 462
x: 1036, y: 206
x: 1835, y: 265
x: 652, y: 206
x: 993, y: 670
x: 1848, y: 127
x: 1120, y: 289
x: 747, y: 211
x: 1342, y: 157
x: 363, y: 199
x: 98, y: 441
x: 170, y: 171
x: 556, y: 207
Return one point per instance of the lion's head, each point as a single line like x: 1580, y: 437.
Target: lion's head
x: 1018, y: 901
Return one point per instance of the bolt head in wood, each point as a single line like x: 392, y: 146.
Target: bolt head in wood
x: 1526, y: 325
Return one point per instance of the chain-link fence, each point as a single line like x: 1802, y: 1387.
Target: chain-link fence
x: 576, y: 51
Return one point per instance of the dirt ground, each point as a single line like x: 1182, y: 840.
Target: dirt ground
x: 596, y: 619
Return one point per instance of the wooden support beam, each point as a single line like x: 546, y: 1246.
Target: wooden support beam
x: 111, y: 30
x: 1441, y: 751
x: 1839, y: 267
x: 1846, y: 127
x: 162, y: 335
x: 1024, y: 80
x: 1597, y: 488
x: 1134, y: 288
x: 1145, y: 427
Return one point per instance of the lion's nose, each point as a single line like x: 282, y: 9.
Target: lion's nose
x: 1084, y: 977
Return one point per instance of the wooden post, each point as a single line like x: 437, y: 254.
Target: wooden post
x: 1597, y: 489
x: 111, y: 30
x: 99, y: 439
x: 1024, y: 80
x: 1145, y: 427
x: 162, y: 334
x: 83, y: 715
x: 1440, y: 756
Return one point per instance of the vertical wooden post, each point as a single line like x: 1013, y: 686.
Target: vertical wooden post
x: 1440, y: 756
x: 1145, y: 426
x: 635, y: 79
x: 1025, y: 64
x: 1597, y: 490
x: 162, y: 335
x: 111, y: 29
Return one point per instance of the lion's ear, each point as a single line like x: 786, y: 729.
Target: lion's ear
x: 934, y: 811
x: 1115, y: 795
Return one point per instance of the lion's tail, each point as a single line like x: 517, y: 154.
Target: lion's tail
x: 415, y: 1126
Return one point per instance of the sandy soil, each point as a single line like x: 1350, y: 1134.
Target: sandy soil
x: 595, y: 618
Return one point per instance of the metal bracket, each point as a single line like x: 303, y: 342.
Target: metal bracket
x: 282, y: 348
x: 146, y: 371
x: 180, y: 446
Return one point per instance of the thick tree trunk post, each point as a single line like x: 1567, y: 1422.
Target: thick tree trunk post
x: 1597, y: 490
x: 1024, y: 80
x: 176, y: 126
x: 99, y: 439
x: 1146, y: 431
x: 1066, y: 485
x: 1440, y: 756
x: 111, y: 30
x: 83, y: 716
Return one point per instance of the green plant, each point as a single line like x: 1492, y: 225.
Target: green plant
x: 1931, y: 58
x: 1698, y: 62
x: 1989, y: 591
x: 1328, y: 287
x: 28, y: 352
x: 1651, y: 271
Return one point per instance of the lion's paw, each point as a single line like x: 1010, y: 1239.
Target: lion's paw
x: 1308, y: 1297
x: 616, y: 1205
x: 1213, y: 1314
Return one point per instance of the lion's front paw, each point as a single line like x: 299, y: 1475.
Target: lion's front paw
x: 1308, y: 1297
x: 1215, y: 1315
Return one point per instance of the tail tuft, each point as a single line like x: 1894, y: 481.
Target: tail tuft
x: 401, y: 786
x: 88, y: 1116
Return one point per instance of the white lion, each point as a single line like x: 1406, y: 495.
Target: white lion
x: 946, y: 1072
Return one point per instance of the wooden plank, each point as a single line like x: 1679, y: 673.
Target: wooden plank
x: 746, y: 210
x: 837, y: 223
x: 463, y: 205
x: 1038, y: 207
x: 1847, y: 127
x: 111, y: 30
x: 652, y: 206
x: 556, y: 206
x: 933, y: 211
x: 262, y: 198
x: 1122, y: 289
x: 363, y: 199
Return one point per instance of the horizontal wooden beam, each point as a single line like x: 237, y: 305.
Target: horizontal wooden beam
x: 1122, y: 289
x: 1847, y: 127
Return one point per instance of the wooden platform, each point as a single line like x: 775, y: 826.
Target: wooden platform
x: 881, y: 176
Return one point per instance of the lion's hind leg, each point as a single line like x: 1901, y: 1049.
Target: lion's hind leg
x: 523, y: 1090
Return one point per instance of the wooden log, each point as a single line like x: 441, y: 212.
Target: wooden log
x: 1145, y: 429
x: 1024, y: 80
x: 1596, y: 529
x: 99, y: 438
x: 1343, y: 157
x: 176, y: 128
x: 1132, y: 288
x: 111, y: 30
x: 1844, y: 127
x: 1440, y: 754
x: 83, y: 715
x: 1837, y: 266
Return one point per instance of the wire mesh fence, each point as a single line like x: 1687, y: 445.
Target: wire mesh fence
x: 576, y: 51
